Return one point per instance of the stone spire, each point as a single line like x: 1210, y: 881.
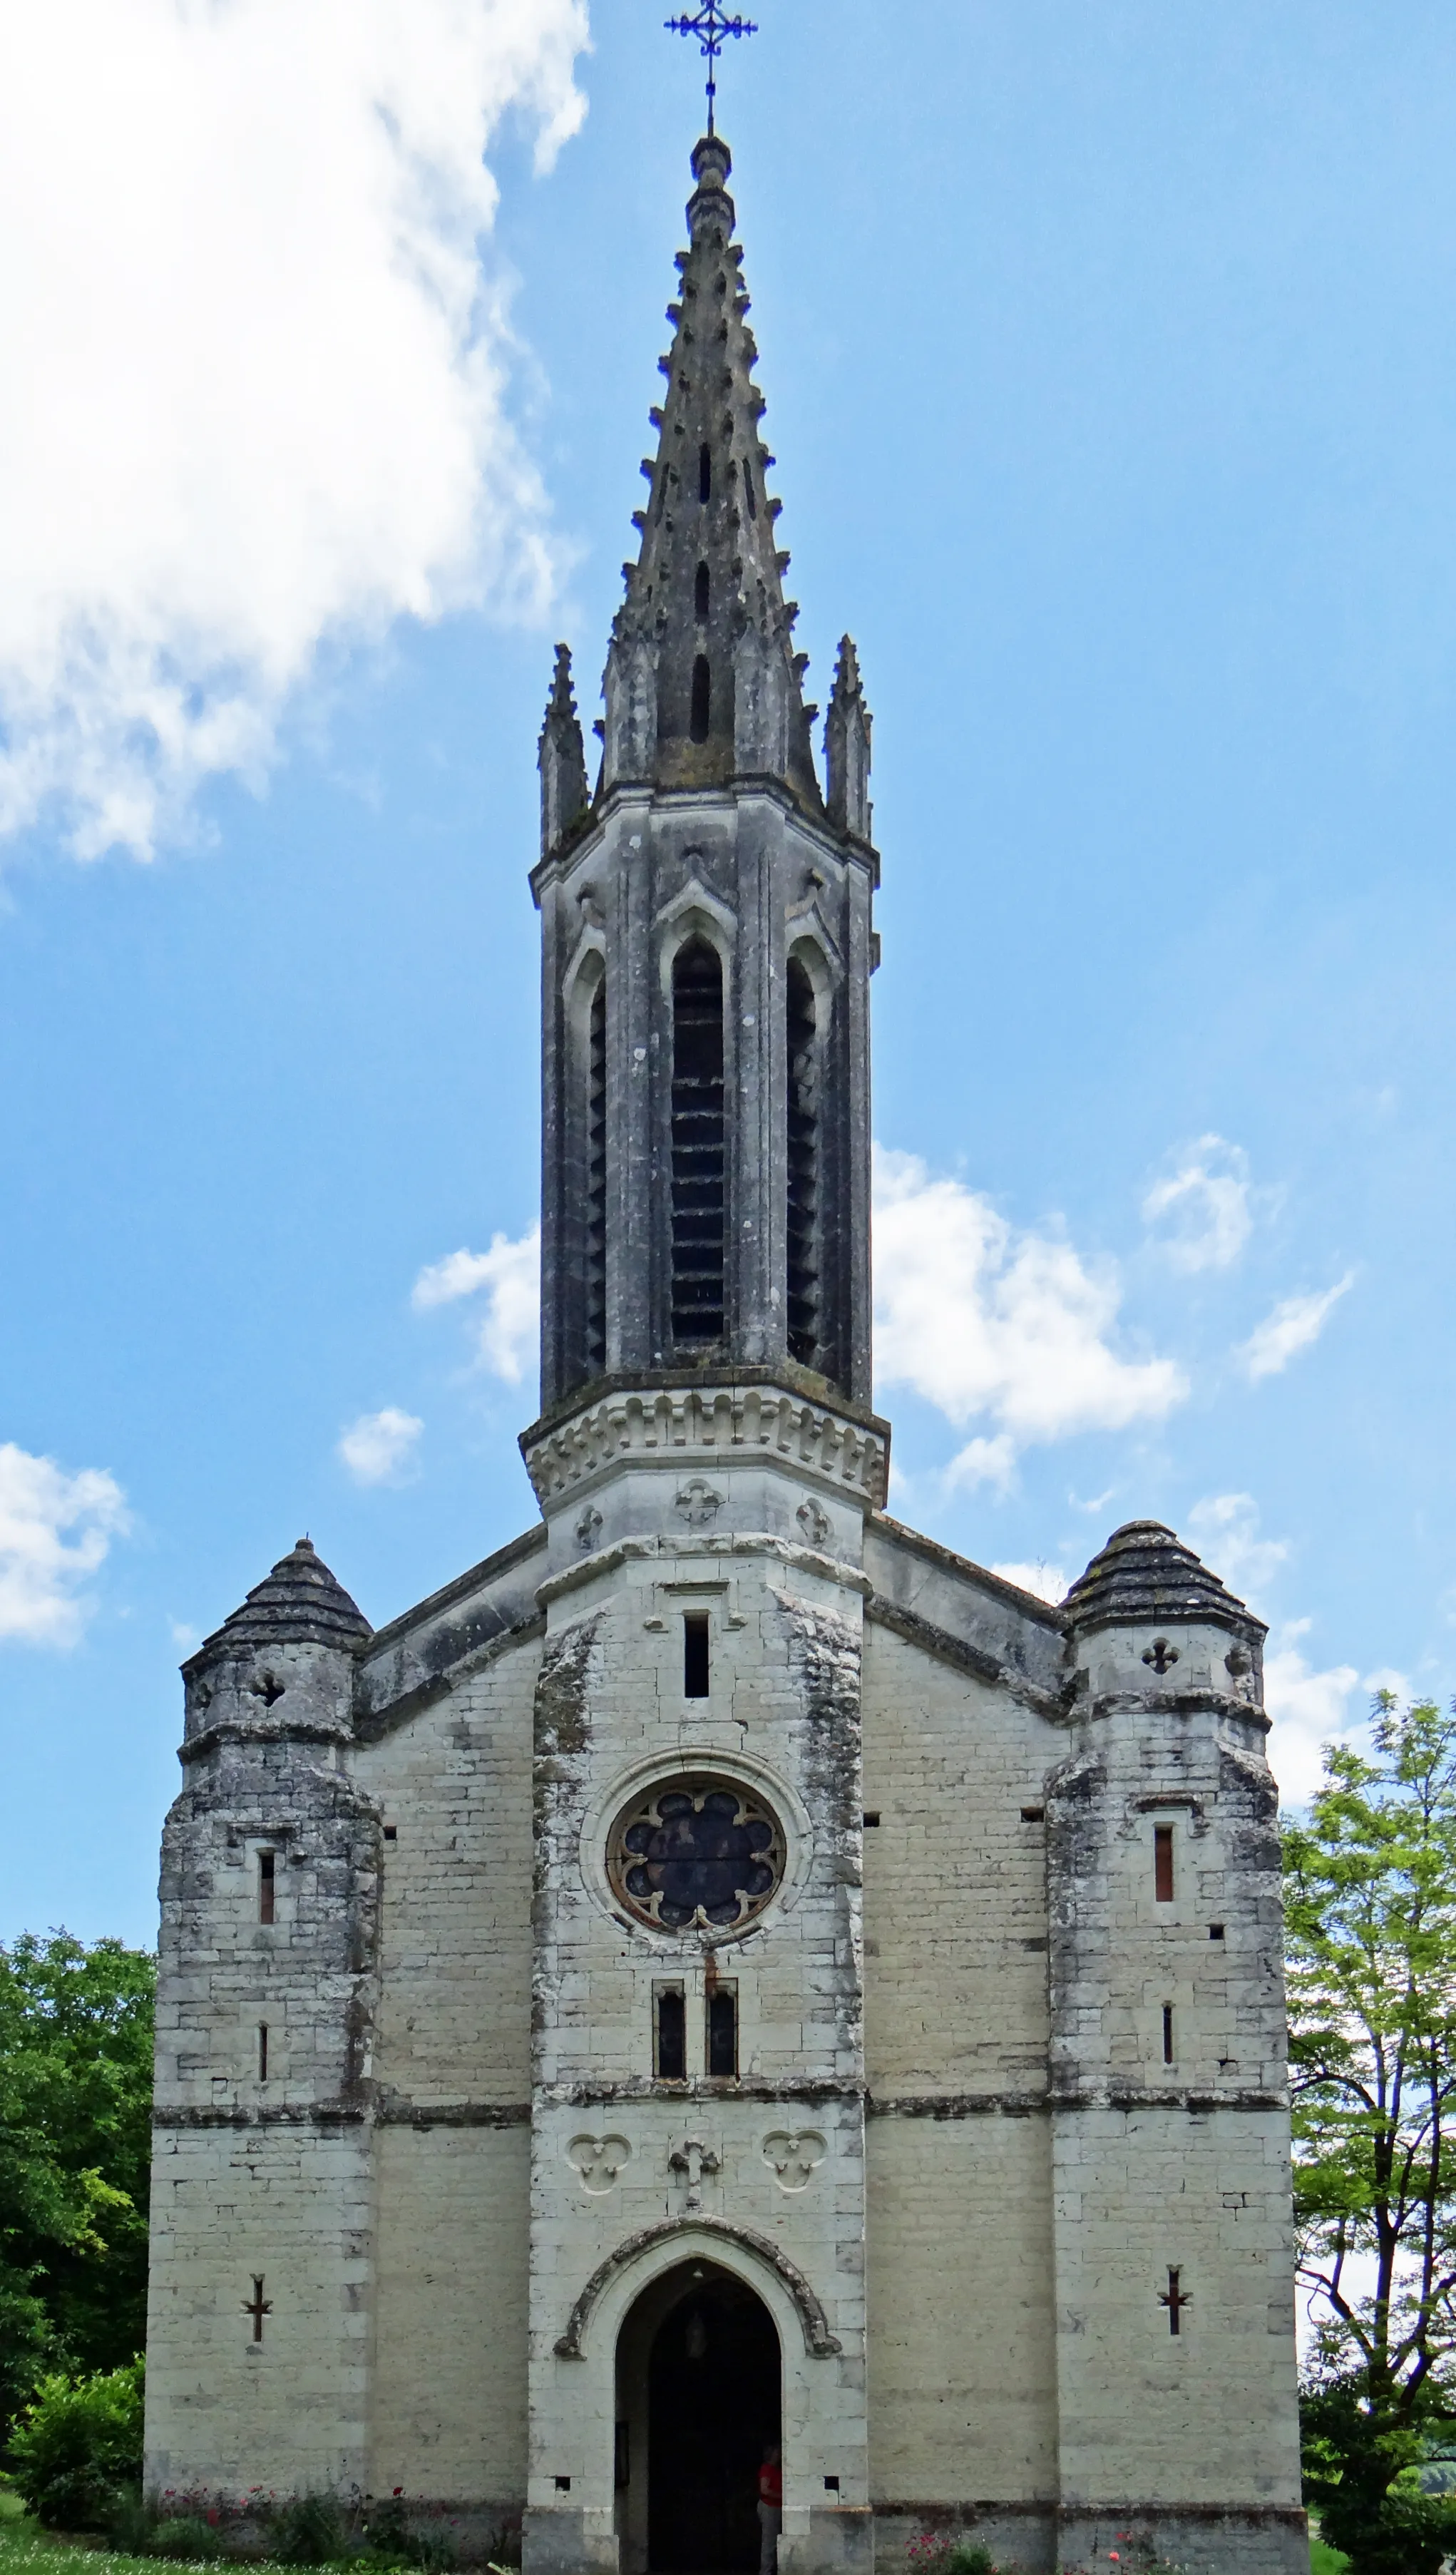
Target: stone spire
x: 561, y: 758
x: 847, y: 748
x: 703, y: 683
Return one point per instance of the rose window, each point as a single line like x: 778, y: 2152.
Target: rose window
x: 695, y: 1853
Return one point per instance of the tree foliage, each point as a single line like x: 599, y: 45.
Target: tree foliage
x: 75, y: 2152
x: 1370, y: 1894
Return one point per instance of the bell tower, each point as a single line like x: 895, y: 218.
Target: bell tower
x: 705, y: 924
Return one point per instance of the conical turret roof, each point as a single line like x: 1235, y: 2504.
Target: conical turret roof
x: 710, y: 574
x: 1146, y: 1573
x: 299, y: 1602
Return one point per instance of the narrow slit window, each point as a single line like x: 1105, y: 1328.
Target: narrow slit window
x: 705, y: 472
x: 750, y: 493
x: 699, y: 1180
x: 723, y: 2030
x: 701, y: 594
x: 1162, y: 1863
x: 262, y: 2051
x: 595, y: 1212
x: 1168, y: 2033
x: 803, y: 1173
x: 265, y: 1886
x: 695, y: 1654
x: 670, y: 2036
x: 699, y: 715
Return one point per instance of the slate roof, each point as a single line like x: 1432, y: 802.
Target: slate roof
x: 299, y: 1604
x: 1146, y: 1573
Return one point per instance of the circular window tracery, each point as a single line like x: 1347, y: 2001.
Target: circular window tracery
x: 695, y: 1853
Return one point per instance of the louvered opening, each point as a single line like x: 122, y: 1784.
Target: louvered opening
x: 698, y: 1144
x: 596, y: 1241
x: 803, y: 1174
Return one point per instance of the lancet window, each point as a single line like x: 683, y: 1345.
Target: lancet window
x: 804, y: 1166
x: 595, y: 1265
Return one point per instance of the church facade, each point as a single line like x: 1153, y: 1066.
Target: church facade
x: 727, y: 1970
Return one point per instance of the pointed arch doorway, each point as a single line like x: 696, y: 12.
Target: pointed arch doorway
x: 699, y: 2380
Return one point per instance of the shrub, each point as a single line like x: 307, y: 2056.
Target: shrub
x: 77, y: 2446
x: 186, y: 2535
x: 309, y: 2531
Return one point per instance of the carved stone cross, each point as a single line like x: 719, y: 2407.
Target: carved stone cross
x: 694, y: 2159
x: 258, y: 2307
x: 699, y: 1503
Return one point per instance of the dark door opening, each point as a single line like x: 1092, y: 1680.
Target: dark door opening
x: 713, y: 2404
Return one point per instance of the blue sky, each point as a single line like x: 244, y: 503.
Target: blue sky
x: 1112, y: 371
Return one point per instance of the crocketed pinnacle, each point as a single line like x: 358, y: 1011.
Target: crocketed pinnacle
x: 299, y: 1602
x: 702, y: 681
x: 1146, y: 1573
x: 847, y: 748
x: 561, y: 758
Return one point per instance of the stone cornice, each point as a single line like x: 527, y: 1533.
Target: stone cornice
x: 730, y: 1421
x: 687, y: 1552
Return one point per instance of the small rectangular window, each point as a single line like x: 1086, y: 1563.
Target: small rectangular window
x: 1215, y: 1931
x: 871, y: 1820
x: 265, y: 1885
x: 1168, y: 2033
x: 1162, y: 1863
x: 695, y: 1654
x: 392, y: 1832
x: 723, y: 2030
x: 262, y: 2051
x: 670, y: 2034
x: 1033, y: 1814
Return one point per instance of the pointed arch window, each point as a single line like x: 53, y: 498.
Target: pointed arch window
x: 699, y: 1174
x: 595, y: 1264
x: 803, y: 1050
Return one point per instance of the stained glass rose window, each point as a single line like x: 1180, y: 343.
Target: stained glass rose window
x: 695, y: 1853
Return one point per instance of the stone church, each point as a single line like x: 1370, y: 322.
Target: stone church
x: 725, y: 1969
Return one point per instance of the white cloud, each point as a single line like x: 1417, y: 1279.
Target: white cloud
x: 184, y: 1635
x: 55, y: 1529
x: 1309, y: 1710
x: 983, y: 1320
x: 1224, y: 1529
x: 1044, y: 1582
x: 1290, y: 1328
x: 509, y: 1273
x: 378, y: 1449
x: 1204, y: 1206
x: 256, y: 397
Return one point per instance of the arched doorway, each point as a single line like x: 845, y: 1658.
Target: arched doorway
x: 698, y: 2397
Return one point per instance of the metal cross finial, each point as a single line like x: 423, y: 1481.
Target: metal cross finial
x: 709, y: 24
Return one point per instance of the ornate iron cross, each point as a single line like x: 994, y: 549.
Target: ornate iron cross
x: 710, y: 25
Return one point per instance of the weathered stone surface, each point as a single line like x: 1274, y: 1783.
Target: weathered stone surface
x: 992, y: 1887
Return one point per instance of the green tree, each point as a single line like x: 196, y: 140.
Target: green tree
x: 1370, y: 1893
x: 75, y: 2149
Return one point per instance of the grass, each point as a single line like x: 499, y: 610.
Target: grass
x: 1326, y: 2561
x: 26, y: 2549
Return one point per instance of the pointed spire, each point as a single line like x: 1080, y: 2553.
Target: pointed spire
x: 703, y: 681
x: 561, y: 758
x: 847, y: 748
